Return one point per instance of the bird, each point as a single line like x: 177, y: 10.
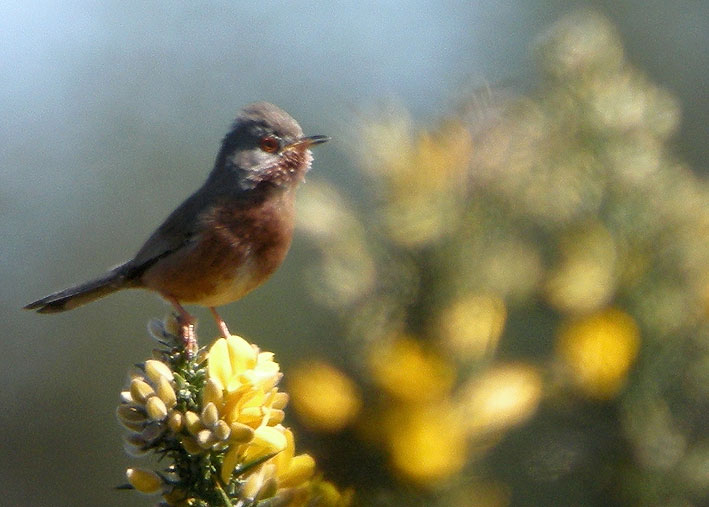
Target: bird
x: 229, y: 236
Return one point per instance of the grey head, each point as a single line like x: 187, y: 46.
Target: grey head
x: 265, y: 146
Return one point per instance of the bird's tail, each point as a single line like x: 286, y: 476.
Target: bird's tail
x: 118, y: 278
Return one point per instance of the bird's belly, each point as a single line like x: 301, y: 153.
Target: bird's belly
x: 211, y: 276
x: 235, y: 285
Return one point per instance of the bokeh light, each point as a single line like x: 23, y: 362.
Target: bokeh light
x: 599, y: 350
x: 324, y: 398
x: 534, y: 302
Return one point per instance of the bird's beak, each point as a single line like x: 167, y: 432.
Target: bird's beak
x: 307, y: 142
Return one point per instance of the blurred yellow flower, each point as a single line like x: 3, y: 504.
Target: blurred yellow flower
x: 481, y: 493
x: 328, y: 495
x: 501, y: 397
x: 348, y: 270
x: 586, y: 278
x: 426, y: 187
x: 444, y: 153
x: 395, y: 127
x: 421, y: 173
x: 571, y: 199
x: 429, y: 160
x: 434, y: 163
x: 471, y: 326
x: 409, y: 372
x: 324, y: 398
x: 598, y: 351
x: 580, y: 43
x: 427, y: 443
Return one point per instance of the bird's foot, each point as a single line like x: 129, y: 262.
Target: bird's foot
x: 220, y: 323
x: 187, y: 325
x: 189, y: 339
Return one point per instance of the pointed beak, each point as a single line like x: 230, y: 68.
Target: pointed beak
x: 307, y: 142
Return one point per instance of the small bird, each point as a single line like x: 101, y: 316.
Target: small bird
x: 229, y: 236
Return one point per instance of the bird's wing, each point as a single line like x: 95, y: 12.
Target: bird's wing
x: 177, y: 231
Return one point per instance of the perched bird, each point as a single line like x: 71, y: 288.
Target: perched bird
x: 230, y: 235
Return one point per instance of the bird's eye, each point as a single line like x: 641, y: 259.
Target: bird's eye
x: 269, y: 144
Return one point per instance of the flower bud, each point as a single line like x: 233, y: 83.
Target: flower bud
x: 191, y: 446
x: 152, y: 432
x: 252, y: 486
x: 166, y: 392
x: 192, y: 422
x: 130, y: 413
x: 140, y: 390
x: 171, y: 326
x: 157, y: 329
x: 155, y: 370
x: 280, y: 400
x: 205, y: 439
x: 132, y: 418
x: 144, y: 481
x: 210, y: 415
x: 175, y: 421
x: 222, y: 430
x: 269, y: 488
x: 134, y: 445
x: 213, y: 392
x: 156, y: 408
x: 240, y: 432
x: 275, y: 417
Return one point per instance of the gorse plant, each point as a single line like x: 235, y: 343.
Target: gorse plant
x: 525, y: 286
x: 215, y: 418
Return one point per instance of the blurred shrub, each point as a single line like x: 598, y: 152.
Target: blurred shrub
x: 525, y: 292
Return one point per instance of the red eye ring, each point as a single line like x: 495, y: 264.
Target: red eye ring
x: 269, y: 144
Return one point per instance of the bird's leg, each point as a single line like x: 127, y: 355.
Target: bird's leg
x: 186, y: 322
x: 220, y: 323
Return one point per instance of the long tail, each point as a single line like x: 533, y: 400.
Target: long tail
x: 118, y: 278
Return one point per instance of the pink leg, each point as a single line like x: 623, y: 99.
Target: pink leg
x: 220, y: 323
x: 186, y: 322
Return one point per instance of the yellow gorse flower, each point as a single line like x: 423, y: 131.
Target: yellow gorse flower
x: 599, y: 350
x: 408, y: 371
x: 241, y: 384
x: 235, y: 363
x: 427, y: 443
x: 324, y: 398
x: 472, y: 325
x: 503, y: 396
x: 218, y: 412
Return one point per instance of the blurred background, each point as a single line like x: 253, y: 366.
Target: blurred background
x: 500, y: 273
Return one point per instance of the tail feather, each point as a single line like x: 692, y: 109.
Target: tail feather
x: 67, y: 299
